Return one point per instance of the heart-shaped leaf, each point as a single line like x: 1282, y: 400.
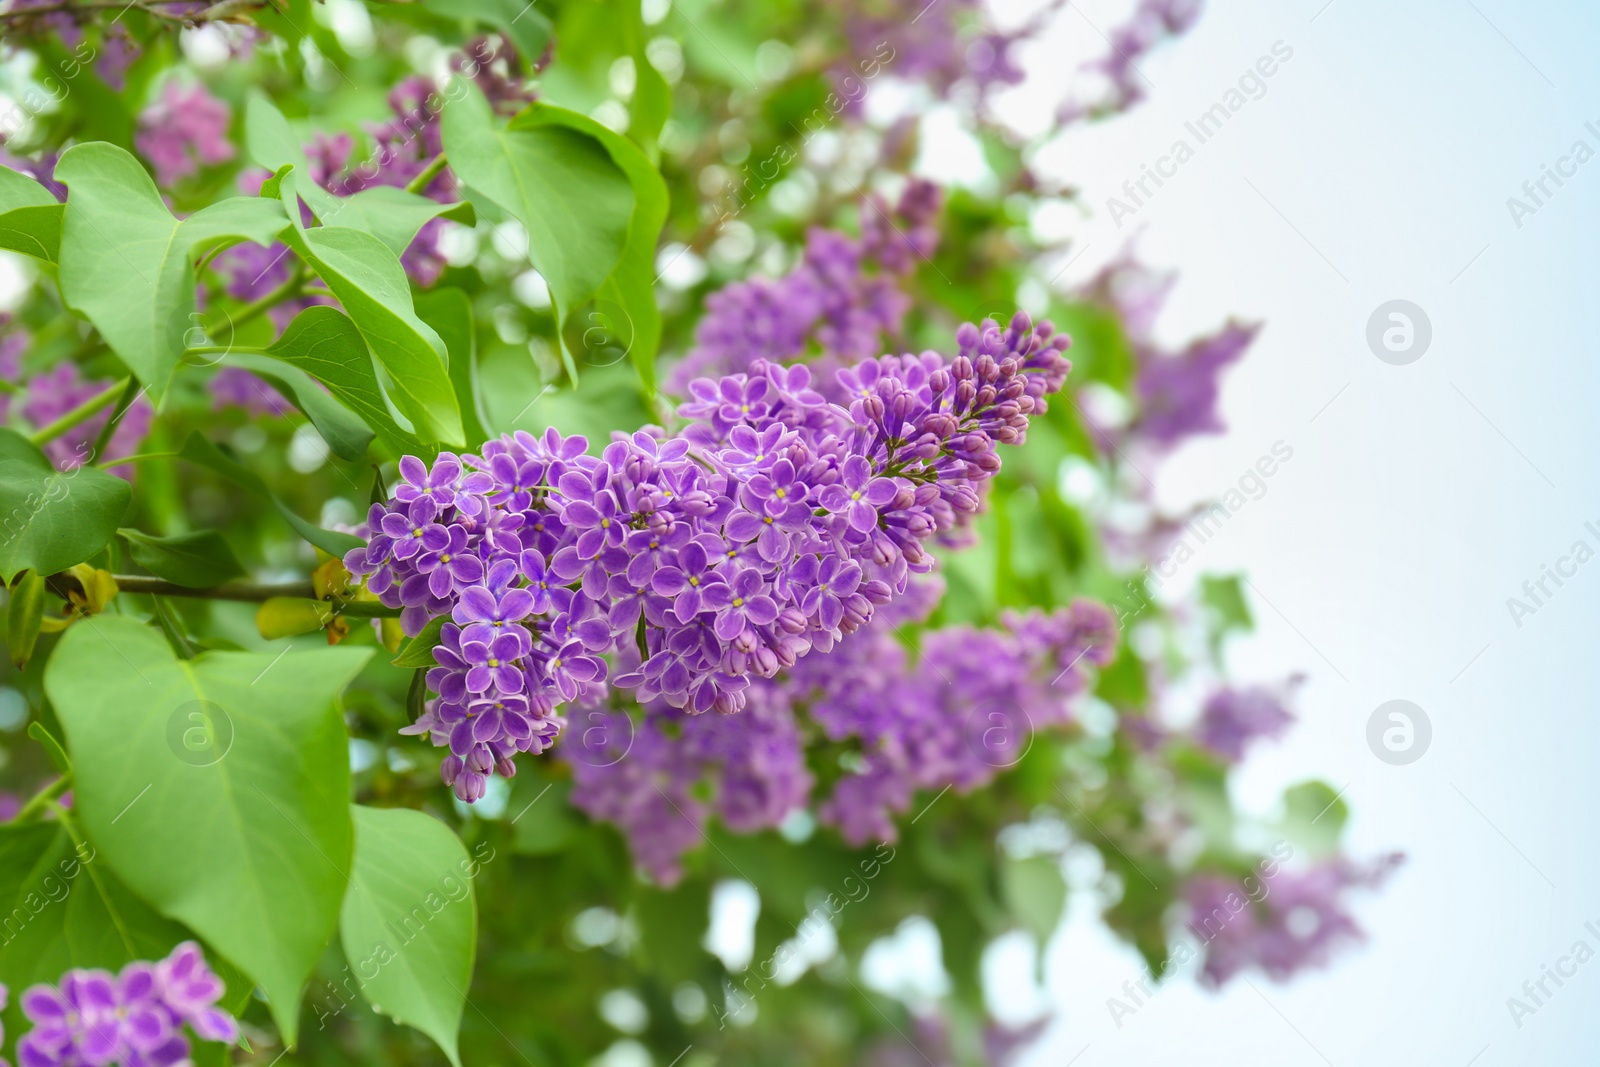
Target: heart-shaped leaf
x: 559, y: 181
x: 52, y: 520
x: 216, y: 788
x: 128, y: 266
x: 410, y: 919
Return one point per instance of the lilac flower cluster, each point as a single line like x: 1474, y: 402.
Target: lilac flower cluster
x: 1152, y: 23
x: 955, y: 716
x: 185, y: 129
x: 831, y: 298
x: 135, y: 1018
x: 774, y: 524
x: 1233, y: 717
x: 1297, y: 926
x: 932, y: 44
x: 1177, y: 391
x: 50, y: 395
x: 661, y: 780
x: 964, y: 711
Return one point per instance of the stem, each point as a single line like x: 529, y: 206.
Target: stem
x: 140, y: 458
x: 430, y: 172
x: 253, y: 592
x: 130, y: 393
x: 78, y: 5
x: 201, y: 350
x: 288, y: 289
x: 80, y: 414
x: 43, y: 797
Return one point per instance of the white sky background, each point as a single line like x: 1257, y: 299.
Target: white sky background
x: 1377, y: 166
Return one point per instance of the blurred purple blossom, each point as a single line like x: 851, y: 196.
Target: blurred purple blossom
x: 1297, y: 925
x: 185, y: 129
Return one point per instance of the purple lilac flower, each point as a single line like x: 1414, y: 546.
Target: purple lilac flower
x: 135, y: 1018
x: 1178, y: 393
x: 238, y: 388
x: 830, y: 300
x: 926, y: 42
x: 184, y: 130
x: 118, y: 50
x: 1233, y: 717
x: 776, y: 523
x: 57, y: 391
x: 913, y: 718
x: 1152, y: 23
x: 1297, y: 925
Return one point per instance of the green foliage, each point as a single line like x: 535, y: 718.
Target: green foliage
x: 366, y: 276
x: 328, y: 347
x: 216, y: 789
x: 52, y: 520
x: 140, y: 296
x: 559, y: 181
x: 30, y: 218
x: 409, y: 923
x: 197, y: 560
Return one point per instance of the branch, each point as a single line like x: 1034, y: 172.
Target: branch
x: 254, y: 592
x: 80, y: 414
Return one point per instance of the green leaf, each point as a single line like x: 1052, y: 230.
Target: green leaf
x: 527, y: 27
x: 393, y: 215
x: 449, y: 312
x: 19, y: 190
x: 33, y: 231
x: 1227, y: 608
x: 64, y: 908
x: 1314, y: 817
x: 128, y: 266
x: 198, y: 560
x: 410, y: 916
x: 541, y: 819
x: 30, y: 218
x: 327, y: 346
x: 1035, y: 893
x: 419, y: 650
x: 346, y: 432
x: 630, y: 288
x: 216, y: 789
x: 24, y: 614
x: 199, y: 450
x: 368, y: 280
x: 559, y: 181
x: 52, y: 520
